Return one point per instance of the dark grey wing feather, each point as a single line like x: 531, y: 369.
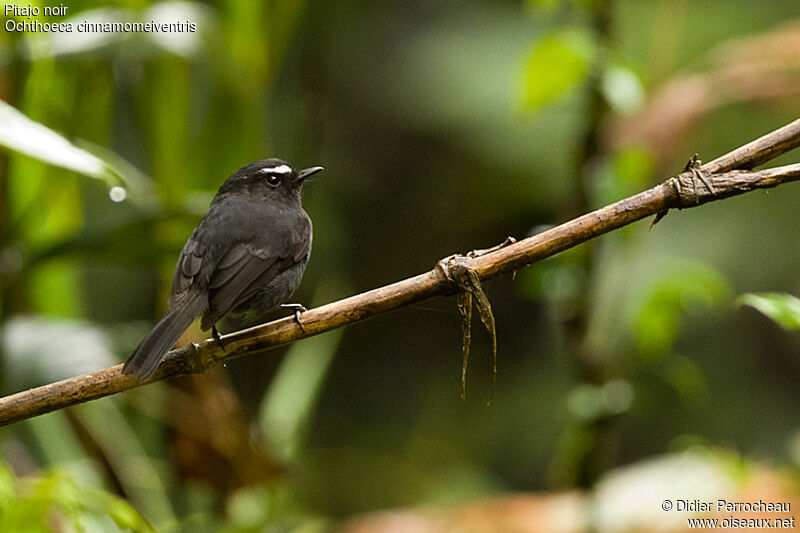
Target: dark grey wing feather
x: 238, y: 287
x: 189, y: 264
x: 234, y: 256
x: 230, y: 265
x: 246, y: 268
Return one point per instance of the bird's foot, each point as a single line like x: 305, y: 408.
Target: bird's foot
x: 298, y: 308
x: 217, y: 337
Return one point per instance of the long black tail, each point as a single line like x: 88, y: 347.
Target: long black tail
x: 145, y: 358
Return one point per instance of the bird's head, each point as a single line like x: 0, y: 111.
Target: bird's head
x: 269, y: 178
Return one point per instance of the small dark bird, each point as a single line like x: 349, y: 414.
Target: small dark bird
x: 244, y: 259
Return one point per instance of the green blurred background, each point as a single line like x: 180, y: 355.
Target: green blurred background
x: 443, y: 127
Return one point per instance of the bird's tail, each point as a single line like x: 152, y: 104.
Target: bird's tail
x: 145, y: 358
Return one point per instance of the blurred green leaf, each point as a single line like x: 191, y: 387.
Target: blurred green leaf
x: 559, y: 62
x: 547, y: 4
x: 289, y: 403
x: 559, y: 280
x: 120, y: 511
x: 31, y: 504
x: 622, y: 89
x: 551, y: 5
x: 20, y: 134
x: 686, y: 378
x: 685, y: 287
x: 23, y: 135
x: 270, y: 507
x: 52, y: 288
x: 589, y: 402
x: 624, y: 174
x: 781, y: 307
x: 7, y: 485
x: 634, y: 165
x: 143, y: 482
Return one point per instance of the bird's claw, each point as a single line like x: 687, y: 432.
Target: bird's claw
x: 298, y: 308
x: 217, y: 337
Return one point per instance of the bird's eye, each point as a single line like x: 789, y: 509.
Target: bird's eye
x: 274, y: 180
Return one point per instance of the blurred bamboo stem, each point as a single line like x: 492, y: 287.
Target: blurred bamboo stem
x: 728, y: 176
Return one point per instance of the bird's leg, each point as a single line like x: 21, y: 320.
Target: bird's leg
x: 217, y: 337
x: 298, y: 308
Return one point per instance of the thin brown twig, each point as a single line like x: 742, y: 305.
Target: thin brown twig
x: 679, y: 192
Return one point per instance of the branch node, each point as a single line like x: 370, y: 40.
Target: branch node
x: 459, y: 270
x: 199, y: 359
x: 687, y: 185
x: 453, y: 268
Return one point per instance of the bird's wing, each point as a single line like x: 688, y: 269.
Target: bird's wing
x: 248, y: 266
x: 231, y: 286
x: 189, y: 264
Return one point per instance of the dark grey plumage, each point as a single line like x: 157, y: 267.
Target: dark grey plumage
x: 245, y: 258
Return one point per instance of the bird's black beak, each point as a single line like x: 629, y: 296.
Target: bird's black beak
x: 306, y: 172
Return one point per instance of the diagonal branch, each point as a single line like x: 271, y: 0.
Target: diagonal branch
x: 724, y: 174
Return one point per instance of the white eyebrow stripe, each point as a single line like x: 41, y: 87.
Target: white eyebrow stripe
x: 282, y: 169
